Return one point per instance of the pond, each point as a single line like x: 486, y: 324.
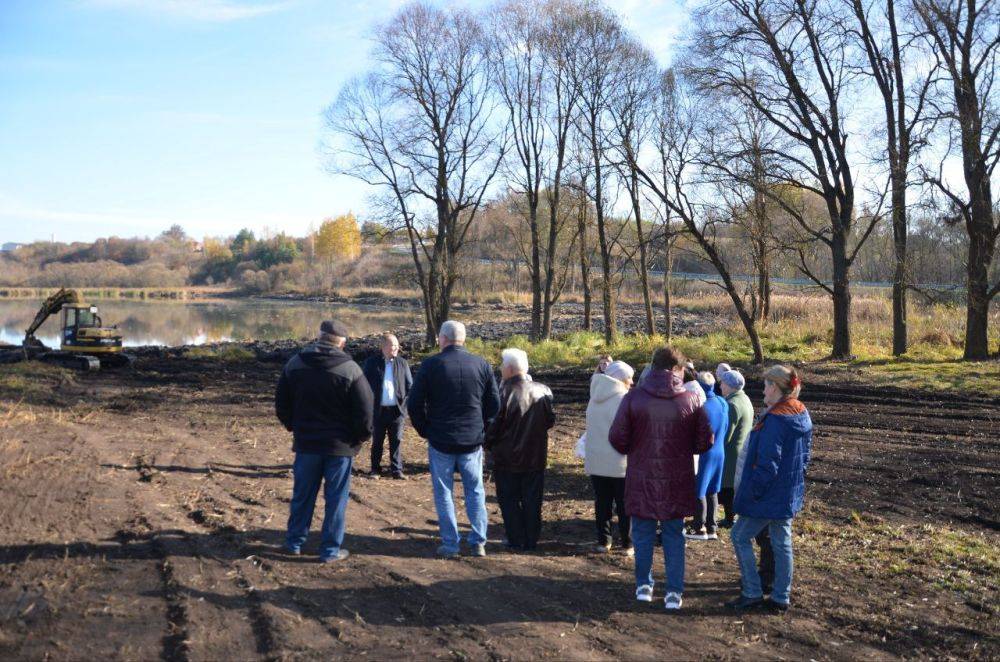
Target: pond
x: 199, y: 322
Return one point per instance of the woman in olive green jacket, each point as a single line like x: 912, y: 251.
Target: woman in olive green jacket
x: 740, y: 422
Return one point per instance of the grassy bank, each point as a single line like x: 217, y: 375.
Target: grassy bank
x: 928, y: 365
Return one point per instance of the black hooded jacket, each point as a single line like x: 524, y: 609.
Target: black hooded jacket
x: 324, y: 399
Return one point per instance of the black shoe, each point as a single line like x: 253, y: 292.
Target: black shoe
x: 743, y: 603
x: 777, y: 607
x: 375, y: 473
x: 398, y: 475
x: 726, y: 524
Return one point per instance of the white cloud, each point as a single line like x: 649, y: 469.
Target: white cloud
x: 198, y: 10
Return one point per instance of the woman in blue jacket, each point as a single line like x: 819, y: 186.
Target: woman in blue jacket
x: 708, y: 481
x: 772, y: 487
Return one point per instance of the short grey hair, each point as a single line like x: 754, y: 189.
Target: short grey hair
x: 706, y: 378
x: 514, y: 358
x: 453, y: 331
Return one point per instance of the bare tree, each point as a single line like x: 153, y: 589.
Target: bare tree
x: 737, y: 157
x: 560, y: 18
x: 675, y: 178
x: 528, y: 43
x: 965, y: 35
x: 790, y: 60
x: 888, y: 50
x: 630, y: 107
x: 595, y: 69
x: 420, y: 127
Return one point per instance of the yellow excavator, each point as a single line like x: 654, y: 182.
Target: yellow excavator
x: 84, y: 343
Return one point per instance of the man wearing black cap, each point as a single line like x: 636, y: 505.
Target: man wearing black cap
x: 324, y: 400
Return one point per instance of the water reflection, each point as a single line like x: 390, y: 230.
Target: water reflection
x: 199, y: 322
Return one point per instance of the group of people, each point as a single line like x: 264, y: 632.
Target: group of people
x: 667, y: 448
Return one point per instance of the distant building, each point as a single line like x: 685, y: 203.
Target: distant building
x: 10, y: 246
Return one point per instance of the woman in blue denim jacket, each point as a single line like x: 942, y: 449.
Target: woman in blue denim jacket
x: 771, y: 487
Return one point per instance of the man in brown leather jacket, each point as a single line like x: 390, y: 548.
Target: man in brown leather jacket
x: 518, y: 440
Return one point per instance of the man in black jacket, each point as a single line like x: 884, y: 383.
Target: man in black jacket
x: 453, y: 400
x: 389, y: 376
x: 518, y: 440
x: 325, y: 401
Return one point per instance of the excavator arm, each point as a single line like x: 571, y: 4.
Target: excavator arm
x: 51, y: 306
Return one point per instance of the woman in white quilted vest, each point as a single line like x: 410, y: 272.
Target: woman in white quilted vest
x: 605, y: 465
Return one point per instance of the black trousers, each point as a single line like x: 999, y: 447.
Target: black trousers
x: 765, y: 565
x: 388, y: 420
x: 726, y: 496
x: 706, y: 517
x: 609, y: 495
x: 519, y: 494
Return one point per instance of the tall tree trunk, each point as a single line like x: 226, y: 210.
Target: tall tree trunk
x: 607, y: 299
x: 899, y: 275
x: 981, y: 251
x: 585, y: 266
x: 982, y: 236
x: 841, y: 300
x: 643, y: 275
x: 536, y: 275
x: 668, y: 268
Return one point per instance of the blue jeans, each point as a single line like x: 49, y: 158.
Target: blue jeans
x: 470, y: 466
x: 742, y: 535
x: 309, y: 470
x: 672, y: 537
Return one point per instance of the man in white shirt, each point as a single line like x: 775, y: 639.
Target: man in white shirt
x: 389, y: 376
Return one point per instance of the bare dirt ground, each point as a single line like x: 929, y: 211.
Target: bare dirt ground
x: 143, y: 515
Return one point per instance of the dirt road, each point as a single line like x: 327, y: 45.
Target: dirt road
x: 144, y: 512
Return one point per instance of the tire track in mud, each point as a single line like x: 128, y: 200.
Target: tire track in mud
x: 176, y: 643
x: 175, y: 640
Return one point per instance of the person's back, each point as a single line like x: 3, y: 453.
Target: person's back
x: 453, y: 401
x: 660, y: 427
x: 325, y: 401
x: 740, y: 422
x: 323, y: 398
x: 773, y: 482
x: 600, y: 459
x: 521, y: 443
x: 717, y: 411
x: 454, y: 397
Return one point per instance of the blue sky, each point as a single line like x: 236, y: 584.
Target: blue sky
x: 122, y: 117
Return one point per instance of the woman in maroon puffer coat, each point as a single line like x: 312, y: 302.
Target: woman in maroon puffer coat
x: 660, y: 427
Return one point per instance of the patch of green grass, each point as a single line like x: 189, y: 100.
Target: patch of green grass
x: 963, y: 561
x: 223, y: 353
x: 928, y: 365
x: 32, y: 376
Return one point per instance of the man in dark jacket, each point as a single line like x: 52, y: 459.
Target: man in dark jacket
x: 453, y: 400
x: 390, y: 379
x: 660, y: 427
x: 518, y: 440
x: 324, y: 400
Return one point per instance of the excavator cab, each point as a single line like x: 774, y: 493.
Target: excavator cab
x: 82, y: 331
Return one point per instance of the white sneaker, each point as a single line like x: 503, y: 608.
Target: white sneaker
x: 696, y: 534
x: 673, y: 601
x: 644, y: 594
